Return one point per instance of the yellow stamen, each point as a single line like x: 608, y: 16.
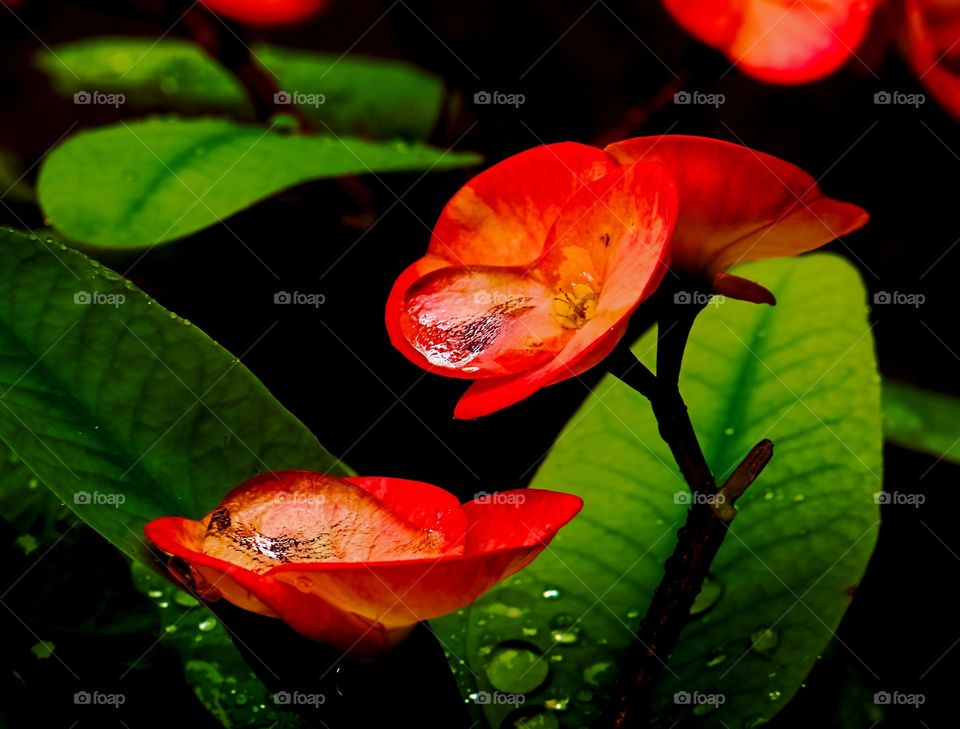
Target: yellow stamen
x: 575, y: 307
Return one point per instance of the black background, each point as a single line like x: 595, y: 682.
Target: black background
x: 590, y: 72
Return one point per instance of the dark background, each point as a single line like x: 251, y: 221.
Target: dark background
x: 591, y: 72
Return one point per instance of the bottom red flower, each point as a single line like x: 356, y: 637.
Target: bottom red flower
x: 355, y: 563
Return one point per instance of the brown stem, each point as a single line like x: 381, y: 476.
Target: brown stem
x: 223, y: 42
x: 698, y: 541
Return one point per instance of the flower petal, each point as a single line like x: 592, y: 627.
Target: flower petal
x: 301, y: 516
x: 629, y: 215
x: 932, y: 32
x: 738, y: 205
x: 779, y: 41
x: 265, y: 12
x: 502, y: 216
x: 398, y: 594
x: 481, y: 322
x: 422, y: 504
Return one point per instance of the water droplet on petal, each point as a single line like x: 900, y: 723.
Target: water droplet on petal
x: 551, y: 593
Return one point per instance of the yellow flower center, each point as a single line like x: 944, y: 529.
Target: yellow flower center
x: 574, y: 307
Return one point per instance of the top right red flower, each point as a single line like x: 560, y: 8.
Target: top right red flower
x: 798, y: 41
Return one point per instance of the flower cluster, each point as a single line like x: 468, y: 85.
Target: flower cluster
x: 535, y: 265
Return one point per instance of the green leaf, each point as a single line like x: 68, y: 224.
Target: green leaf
x: 122, y: 409
x: 383, y: 99
x: 220, y: 678
x: 802, y: 373
x: 146, y: 182
x: 922, y: 420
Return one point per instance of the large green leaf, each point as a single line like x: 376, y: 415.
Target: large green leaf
x: 922, y: 420
x: 367, y: 96
x: 124, y: 410
x: 802, y: 373
x: 151, y: 181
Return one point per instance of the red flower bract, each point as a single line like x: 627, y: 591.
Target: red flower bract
x: 933, y: 32
x: 266, y: 12
x: 356, y: 562
x: 780, y: 41
x: 738, y: 205
x: 533, y: 270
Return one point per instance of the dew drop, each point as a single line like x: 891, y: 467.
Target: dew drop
x: 716, y: 660
x: 764, y: 641
x: 155, y: 594
x: 564, y: 629
x: 207, y: 624
x: 240, y: 699
x: 164, y: 604
x: 775, y: 695
x: 551, y: 593
x: 709, y: 595
x: 184, y: 599
x: 559, y: 703
x: 598, y: 673
x: 170, y: 629
x: 633, y: 613
x: 516, y: 667
x: 729, y: 431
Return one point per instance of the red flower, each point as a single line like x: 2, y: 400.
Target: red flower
x: 780, y: 41
x: 535, y: 266
x: 266, y: 12
x: 356, y: 562
x: 739, y: 205
x: 933, y: 44
x: 532, y: 272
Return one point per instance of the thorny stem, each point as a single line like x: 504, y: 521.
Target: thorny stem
x: 699, y: 540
